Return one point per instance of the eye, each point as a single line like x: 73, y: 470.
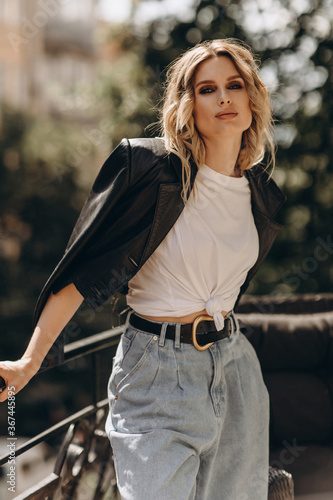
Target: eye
x: 235, y: 86
x: 206, y: 90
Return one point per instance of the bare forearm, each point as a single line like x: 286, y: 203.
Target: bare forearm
x: 57, y: 312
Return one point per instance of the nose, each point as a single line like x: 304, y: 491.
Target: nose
x: 224, y: 98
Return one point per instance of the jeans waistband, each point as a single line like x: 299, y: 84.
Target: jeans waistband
x: 201, y: 333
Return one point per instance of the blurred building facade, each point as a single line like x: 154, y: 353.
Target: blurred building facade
x: 47, y: 52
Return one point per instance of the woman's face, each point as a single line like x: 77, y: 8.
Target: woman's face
x: 221, y: 102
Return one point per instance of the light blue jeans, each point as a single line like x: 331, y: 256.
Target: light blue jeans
x: 185, y: 424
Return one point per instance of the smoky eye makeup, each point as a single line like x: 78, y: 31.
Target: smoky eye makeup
x: 206, y: 90
x: 238, y: 85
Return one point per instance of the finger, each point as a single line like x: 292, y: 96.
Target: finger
x: 3, y: 395
x: 3, y: 384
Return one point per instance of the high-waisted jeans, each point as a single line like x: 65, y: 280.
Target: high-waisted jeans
x: 185, y: 424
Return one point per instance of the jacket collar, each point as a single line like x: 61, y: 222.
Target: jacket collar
x: 177, y: 165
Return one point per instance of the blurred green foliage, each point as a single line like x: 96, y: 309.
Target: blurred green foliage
x: 37, y: 212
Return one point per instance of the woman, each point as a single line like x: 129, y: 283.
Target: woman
x: 180, y: 224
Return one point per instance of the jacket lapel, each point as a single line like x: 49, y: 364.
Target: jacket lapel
x: 266, y: 196
x: 168, y: 208
x: 266, y: 200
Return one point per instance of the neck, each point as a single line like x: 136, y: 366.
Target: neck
x: 221, y: 155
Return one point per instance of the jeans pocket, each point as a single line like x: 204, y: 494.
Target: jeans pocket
x: 133, y: 355
x: 217, y: 387
x: 248, y: 348
x: 122, y: 349
x: 250, y: 351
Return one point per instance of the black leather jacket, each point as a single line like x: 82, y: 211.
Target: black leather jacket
x: 134, y: 202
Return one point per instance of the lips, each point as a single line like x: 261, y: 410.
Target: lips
x: 226, y: 114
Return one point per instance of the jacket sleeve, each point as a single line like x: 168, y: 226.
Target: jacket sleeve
x: 110, y: 185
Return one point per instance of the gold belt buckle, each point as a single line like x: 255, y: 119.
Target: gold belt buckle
x: 197, y: 320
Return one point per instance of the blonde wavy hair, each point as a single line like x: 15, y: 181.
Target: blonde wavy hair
x: 177, y: 122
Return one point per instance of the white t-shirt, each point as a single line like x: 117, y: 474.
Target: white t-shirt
x: 205, y: 257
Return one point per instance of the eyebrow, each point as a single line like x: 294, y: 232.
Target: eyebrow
x: 233, y: 77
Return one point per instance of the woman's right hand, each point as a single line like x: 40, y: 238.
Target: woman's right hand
x: 16, y: 374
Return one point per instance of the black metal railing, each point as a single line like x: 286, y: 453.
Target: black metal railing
x: 85, y: 451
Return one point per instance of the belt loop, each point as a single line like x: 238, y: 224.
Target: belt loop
x: 162, y: 334
x: 128, y: 318
x: 236, y: 321
x: 177, y: 336
x: 234, y: 324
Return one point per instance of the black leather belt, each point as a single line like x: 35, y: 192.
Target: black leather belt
x: 201, y: 333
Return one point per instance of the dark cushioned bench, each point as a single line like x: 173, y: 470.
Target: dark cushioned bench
x: 293, y: 337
